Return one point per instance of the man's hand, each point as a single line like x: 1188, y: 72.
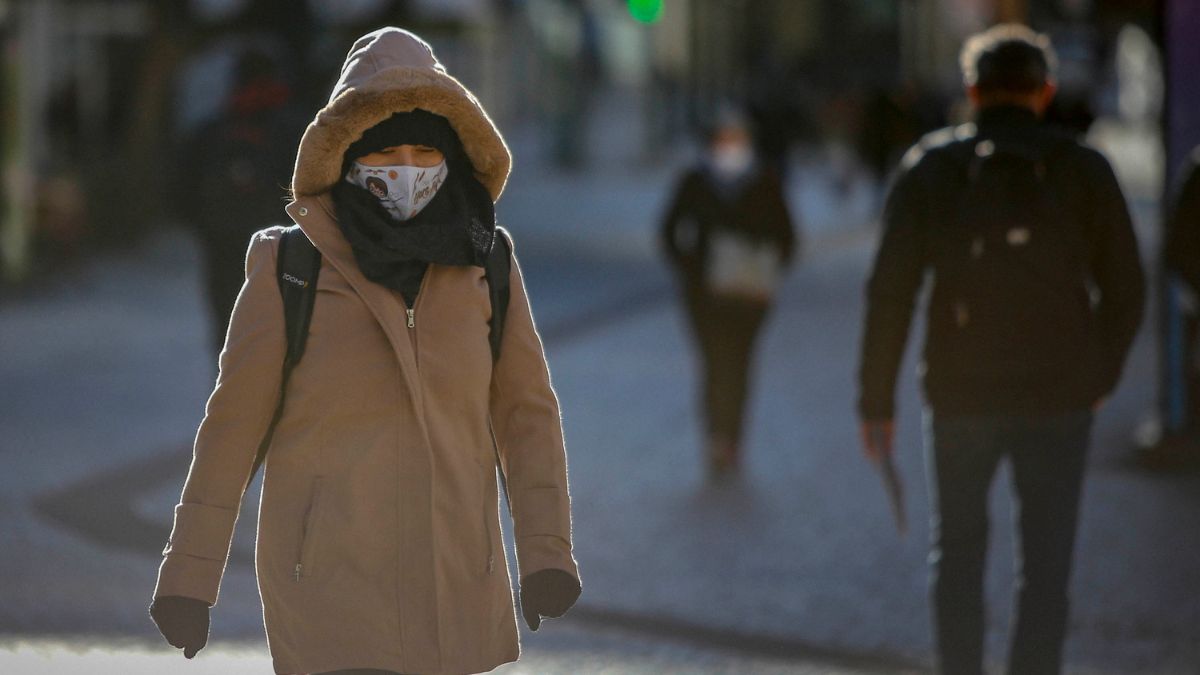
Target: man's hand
x: 878, y: 438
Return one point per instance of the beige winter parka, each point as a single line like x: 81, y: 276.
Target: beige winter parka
x: 379, y: 539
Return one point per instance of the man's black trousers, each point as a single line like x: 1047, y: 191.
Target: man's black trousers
x: 1047, y: 454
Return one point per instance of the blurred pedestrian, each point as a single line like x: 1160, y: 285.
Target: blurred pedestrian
x: 893, y: 119
x: 729, y: 236
x: 379, y: 541
x: 1037, y: 292
x: 1182, y: 250
x: 1181, y: 254
x: 773, y: 111
x: 232, y: 173
x: 889, y: 127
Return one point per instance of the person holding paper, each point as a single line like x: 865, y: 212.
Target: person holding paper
x: 1037, y: 293
x: 729, y: 236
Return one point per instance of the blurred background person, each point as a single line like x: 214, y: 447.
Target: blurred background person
x: 729, y: 236
x: 1036, y: 296
x: 568, y: 45
x: 892, y: 120
x: 773, y: 109
x: 232, y: 174
x: 1181, y: 449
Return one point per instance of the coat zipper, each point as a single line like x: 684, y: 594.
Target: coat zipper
x: 412, y: 311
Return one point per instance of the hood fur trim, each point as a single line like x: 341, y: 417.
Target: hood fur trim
x: 399, y: 89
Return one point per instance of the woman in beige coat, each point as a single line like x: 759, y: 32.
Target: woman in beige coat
x: 379, y: 540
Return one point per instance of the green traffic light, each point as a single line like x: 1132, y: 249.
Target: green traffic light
x: 646, y: 11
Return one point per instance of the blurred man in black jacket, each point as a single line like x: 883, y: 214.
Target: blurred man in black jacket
x: 1036, y: 294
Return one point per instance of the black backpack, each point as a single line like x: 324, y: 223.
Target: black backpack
x: 298, y: 266
x: 1014, y: 264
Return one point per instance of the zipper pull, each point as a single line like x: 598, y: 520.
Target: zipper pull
x: 299, y: 566
x: 412, y: 319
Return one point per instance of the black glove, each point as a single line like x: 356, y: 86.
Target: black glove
x: 550, y: 593
x: 182, y: 621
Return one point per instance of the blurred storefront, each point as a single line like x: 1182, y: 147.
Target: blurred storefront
x: 63, y: 103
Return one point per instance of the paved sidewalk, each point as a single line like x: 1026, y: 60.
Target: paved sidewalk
x: 564, y: 650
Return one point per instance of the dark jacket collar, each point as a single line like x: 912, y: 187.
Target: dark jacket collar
x: 1006, y: 117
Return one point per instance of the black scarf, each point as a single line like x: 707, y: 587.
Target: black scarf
x: 456, y: 227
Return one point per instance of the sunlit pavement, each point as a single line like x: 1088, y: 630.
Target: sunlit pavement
x: 562, y: 651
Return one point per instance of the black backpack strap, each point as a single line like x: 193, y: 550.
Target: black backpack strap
x: 499, y: 265
x: 298, y: 265
x: 497, y: 270
x: 976, y: 150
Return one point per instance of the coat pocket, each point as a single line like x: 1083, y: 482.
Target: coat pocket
x: 305, y: 567
x: 487, y: 480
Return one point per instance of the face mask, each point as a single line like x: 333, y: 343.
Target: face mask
x: 403, y: 190
x: 732, y: 159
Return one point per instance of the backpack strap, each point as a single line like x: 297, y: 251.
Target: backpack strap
x: 497, y: 270
x: 982, y: 150
x: 298, y: 265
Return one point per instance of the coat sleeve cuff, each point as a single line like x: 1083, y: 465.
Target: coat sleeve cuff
x: 542, y: 552
x: 542, y: 525
x: 202, y: 531
x: 190, y: 577
x: 195, y: 557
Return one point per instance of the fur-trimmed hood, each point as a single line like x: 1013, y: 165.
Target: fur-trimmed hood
x: 388, y: 71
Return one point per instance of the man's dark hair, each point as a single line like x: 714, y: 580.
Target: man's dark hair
x: 1008, y: 58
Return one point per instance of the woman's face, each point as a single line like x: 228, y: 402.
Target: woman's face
x: 404, y: 155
